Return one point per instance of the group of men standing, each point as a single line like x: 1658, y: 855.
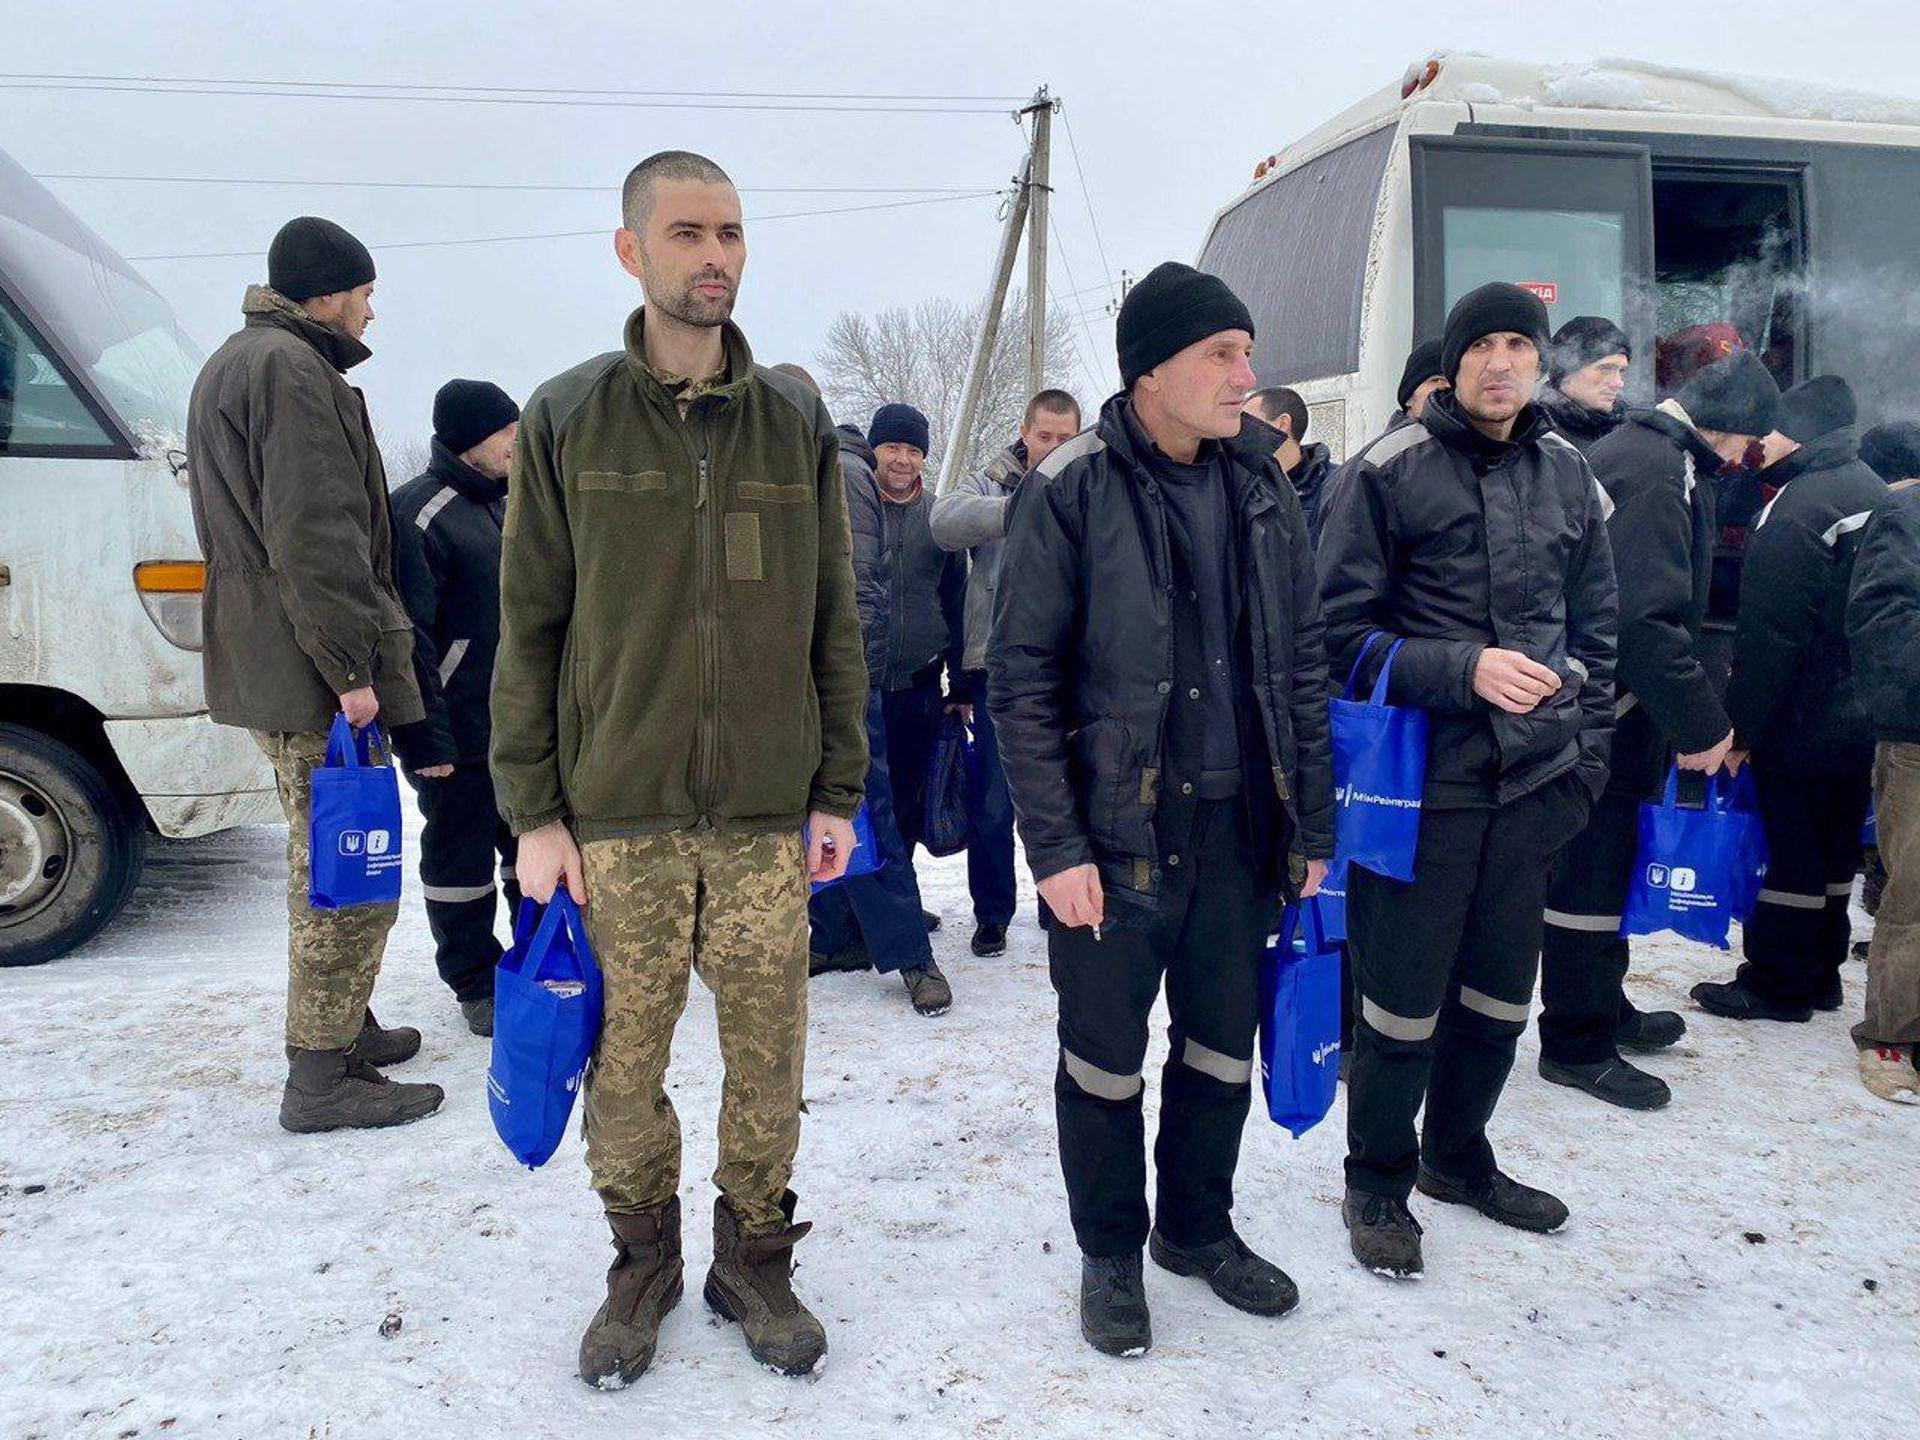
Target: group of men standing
x: 664, y: 665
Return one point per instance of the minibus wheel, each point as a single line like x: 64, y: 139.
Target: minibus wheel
x: 70, y: 848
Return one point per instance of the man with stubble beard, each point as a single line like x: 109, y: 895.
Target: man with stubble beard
x: 679, y: 690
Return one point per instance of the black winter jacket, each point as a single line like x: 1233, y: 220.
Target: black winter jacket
x: 1792, y: 695
x: 872, y: 593
x: 1455, y: 542
x: 1080, y: 669
x: 1580, y: 424
x: 1659, y: 474
x: 1309, y: 480
x: 446, y: 549
x: 1883, y: 616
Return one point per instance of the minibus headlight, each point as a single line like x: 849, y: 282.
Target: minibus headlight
x: 171, y: 590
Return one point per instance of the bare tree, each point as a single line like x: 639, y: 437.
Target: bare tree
x: 920, y: 356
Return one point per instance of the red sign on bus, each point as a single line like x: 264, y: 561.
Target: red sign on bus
x: 1547, y: 290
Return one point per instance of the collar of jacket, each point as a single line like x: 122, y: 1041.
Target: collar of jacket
x: 1251, y: 469
x: 1008, y: 466
x: 1448, y: 424
x: 1315, y: 461
x: 1669, y: 418
x: 1823, y: 452
x: 449, y: 469
x: 1573, y: 418
x: 263, y: 305
x: 733, y: 344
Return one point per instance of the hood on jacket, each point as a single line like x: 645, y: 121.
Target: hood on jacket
x: 263, y: 305
x: 853, y: 441
x: 449, y: 469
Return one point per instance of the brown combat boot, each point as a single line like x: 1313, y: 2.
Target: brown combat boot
x: 336, y: 1090
x: 381, y: 1046
x: 751, y: 1284
x: 643, y: 1284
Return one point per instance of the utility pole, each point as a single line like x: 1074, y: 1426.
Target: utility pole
x: 1039, y: 173
x: 977, y: 367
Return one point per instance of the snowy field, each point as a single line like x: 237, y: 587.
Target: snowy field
x: 171, y: 1264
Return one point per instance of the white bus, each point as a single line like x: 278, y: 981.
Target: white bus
x: 104, y: 736
x: 1657, y: 197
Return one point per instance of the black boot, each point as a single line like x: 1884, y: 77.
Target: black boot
x: 643, y: 1284
x: 928, y: 989
x: 989, y: 941
x: 1733, y: 1001
x: 1113, y: 1305
x: 854, y: 957
x: 1383, y: 1233
x: 334, y: 1090
x: 478, y: 1014
x: 1643, y: 1032
x: 1832, y: 994
x: 930, y: 920
x: 381, y: 1047
x: 1614, y: 1081
x: 1498, y: 1198
x: 1235, y: 1273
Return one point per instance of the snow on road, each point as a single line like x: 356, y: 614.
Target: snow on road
x: 1744, y: 1264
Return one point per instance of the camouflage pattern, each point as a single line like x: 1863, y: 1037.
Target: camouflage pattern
x: 333, y: 956
x: 685, y: 390
x: 733, y: 908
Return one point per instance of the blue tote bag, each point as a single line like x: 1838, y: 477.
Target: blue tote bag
x: 866, y: 857
x: 353, y: 825
x: 1697, y: 870
x: 547, y: 1002
x: 1379, y: 773
x: 1300, y: 1020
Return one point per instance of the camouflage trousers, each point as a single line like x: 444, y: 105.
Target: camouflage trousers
x: 734, y: 909
x: 333, y: 956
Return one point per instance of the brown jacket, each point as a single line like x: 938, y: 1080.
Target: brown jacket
x: 290, y: 503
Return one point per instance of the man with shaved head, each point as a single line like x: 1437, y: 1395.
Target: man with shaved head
x: 679, y: 741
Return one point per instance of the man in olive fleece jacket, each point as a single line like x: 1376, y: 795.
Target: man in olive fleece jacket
x: 680, y: 688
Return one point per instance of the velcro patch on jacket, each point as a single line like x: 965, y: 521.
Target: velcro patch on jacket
x: 743, y: 546
x: 634, y: 482
x: 761, y: 490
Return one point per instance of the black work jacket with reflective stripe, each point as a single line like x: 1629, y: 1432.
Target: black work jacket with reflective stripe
x: 446, y: 547
x: 1081, y: 663
x: 1792, y: 696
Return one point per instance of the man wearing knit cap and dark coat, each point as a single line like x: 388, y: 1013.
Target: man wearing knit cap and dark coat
x: 1658, y: 470
x: 1587, y: 367
x: 1421, y: 378
x: 1798, y: 712
x: 1472, y: 546
x: 1159, y: 687
x: 446, y: 545
x: 303, y: 623
x: 926, y: 635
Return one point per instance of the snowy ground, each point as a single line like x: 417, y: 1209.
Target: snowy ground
x: 1743, y: 1264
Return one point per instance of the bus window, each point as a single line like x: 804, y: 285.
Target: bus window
x: 40, y: 412
x: 1580, y: 254
x: 1727, y: 250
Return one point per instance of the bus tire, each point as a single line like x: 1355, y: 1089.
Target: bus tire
x: 70, y: 848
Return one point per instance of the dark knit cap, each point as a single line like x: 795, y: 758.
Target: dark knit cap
x: 1892, y: 451
x: 1489, y: 310
x: 465, y: 412
x: 1170, y: 309
x: 1735, y: 394
x: 1422, y: 365
x: 311, y: 256
x: 900, y: 425
x: 1816, y: 407
x: 1583, y: 340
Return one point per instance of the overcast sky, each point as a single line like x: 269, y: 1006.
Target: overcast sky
x: 1171, y: 105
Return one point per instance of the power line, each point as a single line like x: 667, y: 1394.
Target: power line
x: 565, y: 234
x: 165, y: 88
x: 600, y: 189
x: 1093, y: 346
x: 418, y: 86
x: 1073, y: 147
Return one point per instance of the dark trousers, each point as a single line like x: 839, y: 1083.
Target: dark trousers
x: 463, y: 837
x: 1445, y: 964
x: 883, y: 908
x: 990, y: 820
x: 913, y: 730
x: 1205, y: 937
x: 1584, y: 958
x: 1796, y: 939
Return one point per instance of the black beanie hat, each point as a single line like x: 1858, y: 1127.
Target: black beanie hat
x: 1816, y: 407
x: 465, y: 412
x: 311, y: 256
x: 1583, y: 340
x: 1487, y: 311
x: 900, y: 425
x: 1422, y: 365
x: 1734, y: 394
x: 1892, y: 451
x: 1171, y: 308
